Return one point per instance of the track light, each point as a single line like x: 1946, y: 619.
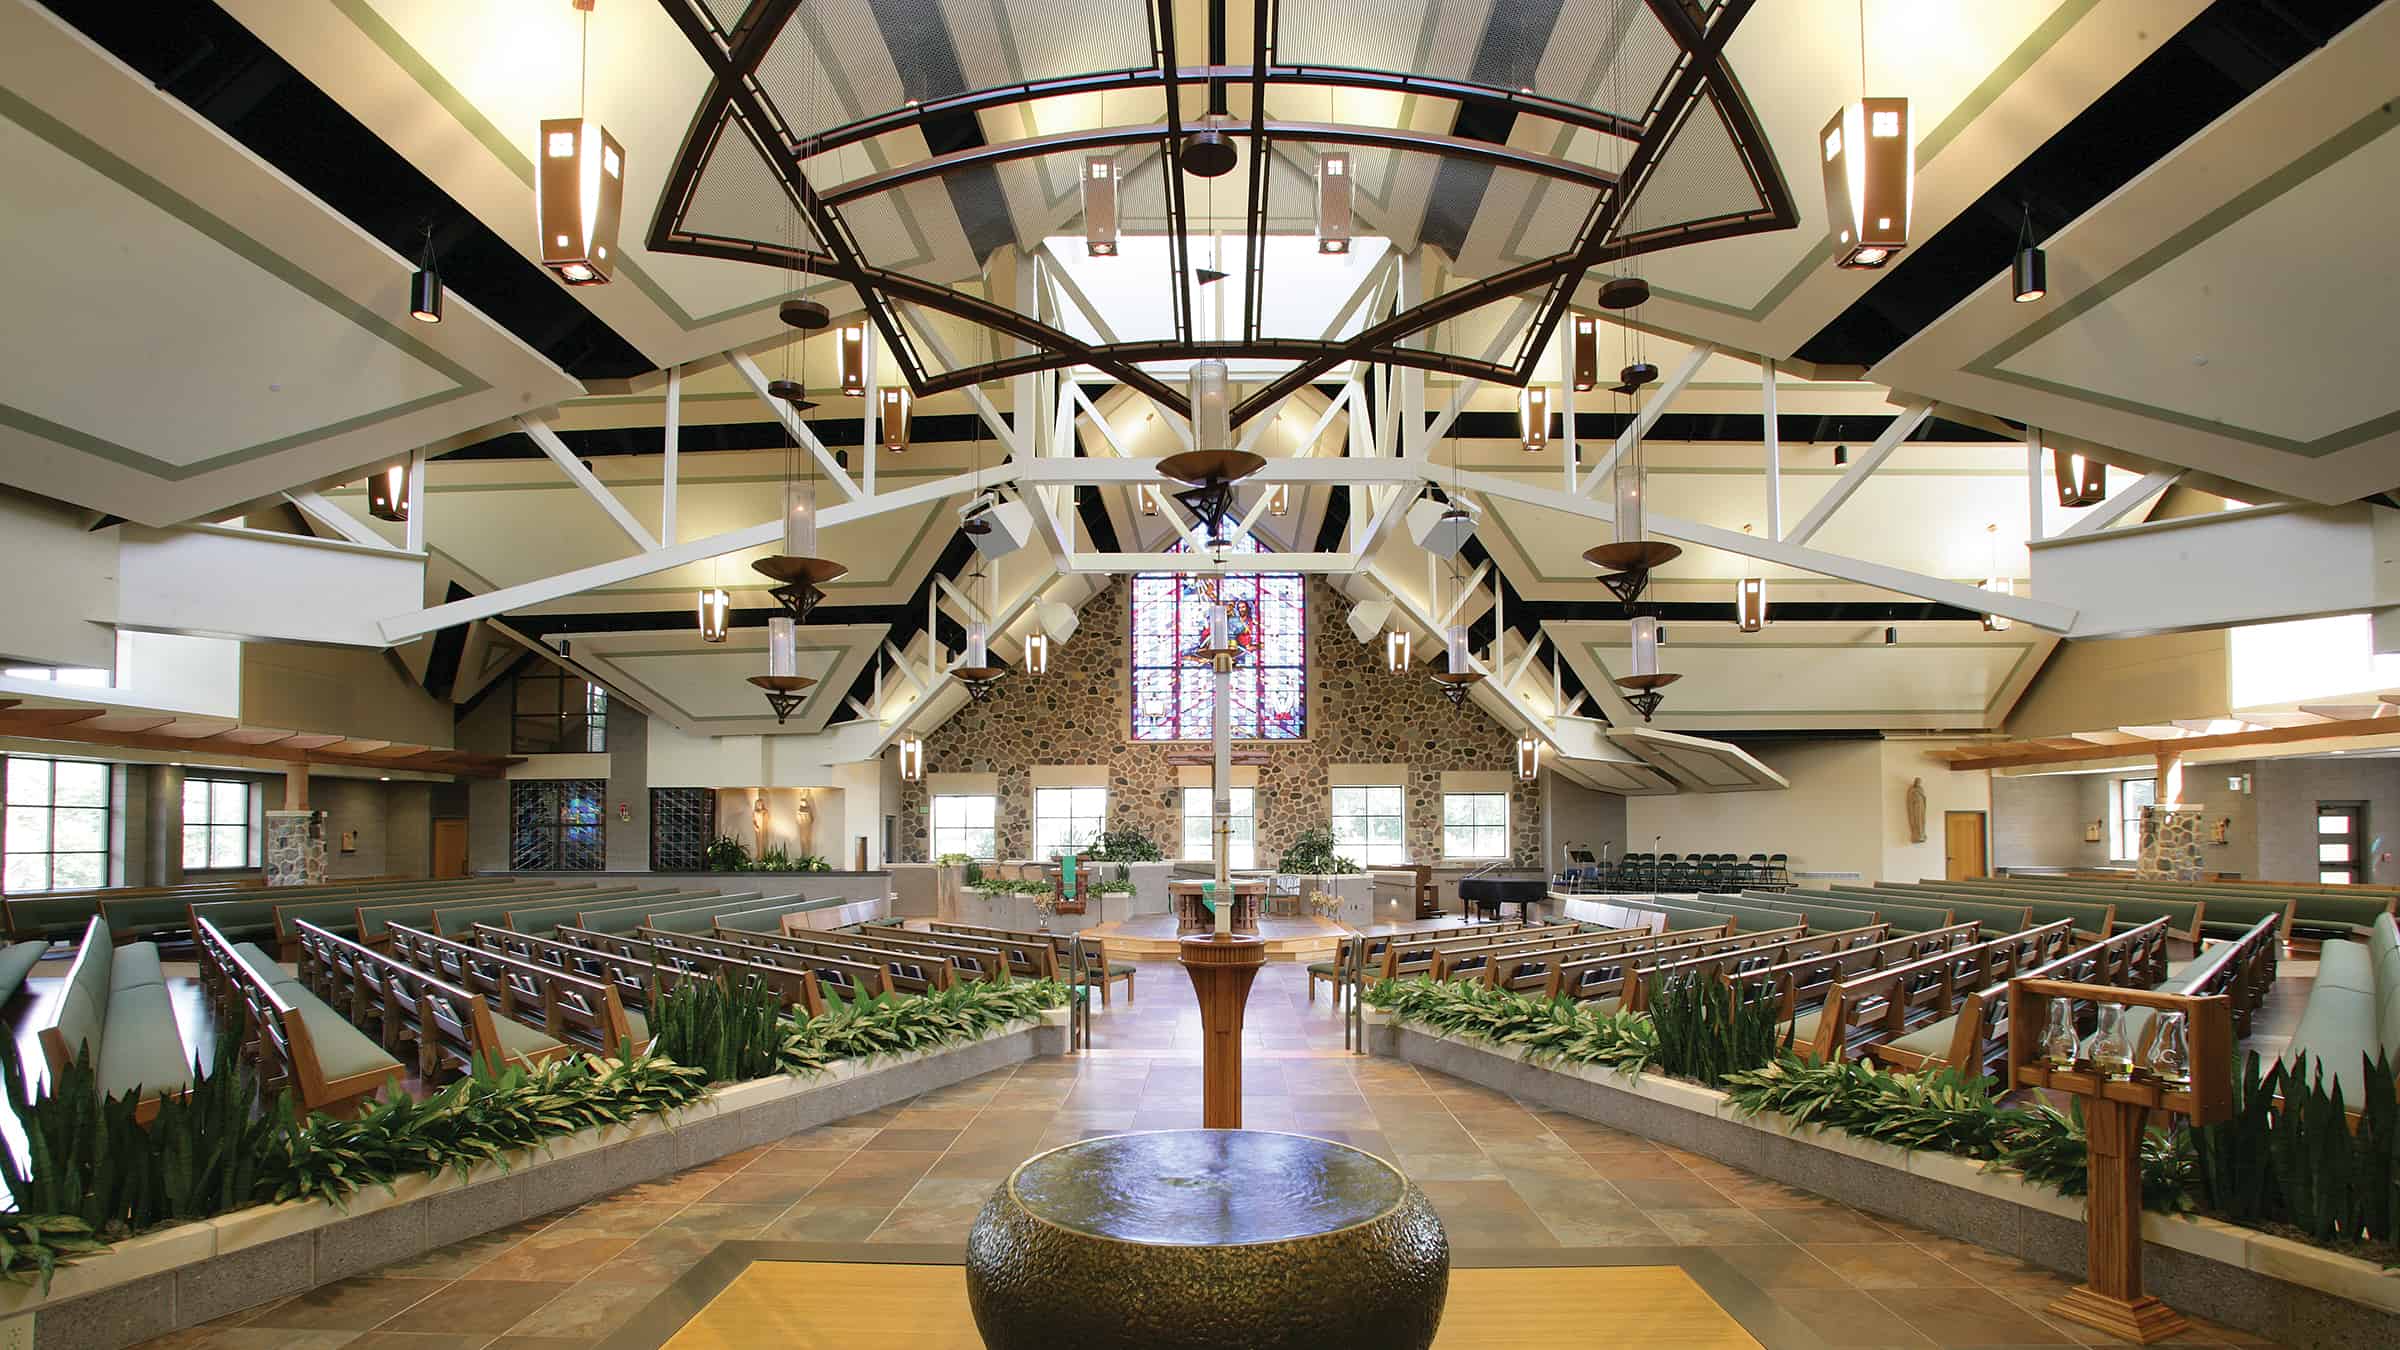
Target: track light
x: 716, y: 612
x: 1100, y: 207
x: 2032, y: 270
x: 1870, y: 180
x: 387, y: 493
x: 425, y: 288
x: 852, y: 350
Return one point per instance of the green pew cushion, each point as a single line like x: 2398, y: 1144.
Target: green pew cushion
x: 1329, y: 969
x: 16, y: 963
x: 1804, y: 1027
x: 2338, y: 1028
x: 141, y: 1048
x: 2345, y: 965
x: 1120, y: 968
x: 266, y: 967
x: 342, y: 1049
x: 135, y: 963
x: 1931, y: 1040
x: 520, y: 1041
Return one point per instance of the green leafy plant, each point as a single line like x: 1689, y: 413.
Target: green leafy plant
x: 34, y: 1246
x: 873, y: 1026
x: 1122, y: 845
x: 1312, y: 855
x: 2289, y: 1153
x: 726, y: 855
x: 1708, y: 1029
x: 973, y: 873
x: 1548, y: 1029
x: 955, y: 860
x: 1116, y: 881
x: 727, y: 1030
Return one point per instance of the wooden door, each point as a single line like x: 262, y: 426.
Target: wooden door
x: 1962, y: 845
x: 449, y: 848
x: 2341, y: 843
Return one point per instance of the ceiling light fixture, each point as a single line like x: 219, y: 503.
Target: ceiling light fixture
x: 1529, y: 759
x: 1995, y: 582
x: 1334, y: 201
x: 1395, y: 651
x: 1100, y: 207
x: 1585, y: 336
x: 387, y: 493
x: 975, y: 669
x: 1207, y: 151
x: 852, y: 352
x: 1149, y: 499
x: 1533, y: 418
x: 2082, y: 480
x: 1279, y: 500
x: 1644, y: 688
x: 1891, y: 637
x: 1456, y: 675
x: 1626, y: 564
x: 425, y: 288
x: 1213, y: 466
x: 716, y: 613
x: 783, y: 684
x: 1870, y: 172
x: 1841, y: 455
x: 1623, y: 292
x: 2032, y: 270
x: 1037, y: 654
x: 892, y: 410
x: 1749, y: 597
x: 579, y: 185
x: 912, y: 760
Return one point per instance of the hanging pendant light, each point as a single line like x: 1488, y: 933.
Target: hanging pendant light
x: 1037, y: 654
x: 783, y: 684
x: 1214, y: 465
x: 1995, y: 583
x: 1148, y: 496
x: 1626, y: 564
x: 425, y: 288
x: 1585, y: 339
x: 1533, y: 417
x: 716, y: 613
x: 2082, y: 480
x: 1457, y: 675
x: 2031, y: 271
x: 1749, y: 597
x: 1870, y: 173
x: 892, y: 414
x: 387, y: 493
x: 1395, y: 651
x: 1644, y: 689
x: 1335, y: 194
x: 1100, y: 207
x: 912, y: 759
x: 1529, y: 759
x: 1279, y: 500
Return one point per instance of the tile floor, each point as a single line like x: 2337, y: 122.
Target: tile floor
x: 1502, y: 1174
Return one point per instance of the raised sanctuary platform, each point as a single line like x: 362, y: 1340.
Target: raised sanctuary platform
x: 1153, y: 937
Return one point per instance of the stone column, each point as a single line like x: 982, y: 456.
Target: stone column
x: 2171, y: 843
x: 295, y: 848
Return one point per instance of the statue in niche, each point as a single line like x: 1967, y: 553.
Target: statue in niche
x: 758, y: 820
x: 1916, y: 811
x: 804, y: 825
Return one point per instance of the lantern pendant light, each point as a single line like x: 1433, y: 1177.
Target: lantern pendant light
x: 1644, y: 689
x: 1533, y: 417
x: 912, y: 759
x: 387, y: 493
x: 784, y: 685
x: 852, y: 351
x: 1529, y: 759
x: 1585, y: 349
x: 579, y: 187
x: 1995, y: 582
x: 975, y: 669
x: 1870, y: 173
x: 716, y: 611
x: 892, y: 412
x: 2082, y: 480
x: 1037, y: 654
x: 1395, y: 651
x: 1100, y: 207
x: 1335, y: 196
x: 1749, y: 597
x: 1279, y: 500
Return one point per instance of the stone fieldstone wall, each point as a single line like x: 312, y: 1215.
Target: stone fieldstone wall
x: 295, y: 848
x: 2171, y: 844
x: 1081, y: 713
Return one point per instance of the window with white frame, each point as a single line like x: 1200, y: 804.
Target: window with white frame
x: 2127, y: 797
x: 216, y: 823
x: 963, y: 823
x: 1474, y: 824
x: 1241, y: 839
x: 1068, y: 818
x: 57, y: 829
x: 1370, y: 825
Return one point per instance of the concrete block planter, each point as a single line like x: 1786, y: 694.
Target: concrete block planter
x: 191, y: 1273
x: 2292, y: 1292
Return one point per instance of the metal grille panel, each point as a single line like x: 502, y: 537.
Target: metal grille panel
x: 1701, y: 177
x: 1557, y: 50
x: 557, y: 825
x: 739, y: 196
x: 682, y: 822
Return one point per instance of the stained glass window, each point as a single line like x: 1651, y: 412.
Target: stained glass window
x: 557, y: 825
x: 1173, y: 691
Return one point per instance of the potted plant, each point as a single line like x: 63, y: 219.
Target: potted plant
x: 1326, y: 878
x: 726, y: 855
x: 1123, y: 846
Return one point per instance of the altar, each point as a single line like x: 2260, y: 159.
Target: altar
x: 1191, y: 916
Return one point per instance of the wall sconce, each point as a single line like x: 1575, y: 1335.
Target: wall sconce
x: 716, y: 613
x: 387, y: 493
x: 1395, y: 651
x: 1870, y: 180
x: 579, y: 194
x: 893, y: 409
x: 1100, y: 207
x: 912, y: 760
x: 1533, y: 417
x: 1529, y: 759
x: 1586, y: 353
x: 1037, y: 654
x: 852, y: 350
x: 1334, y: 197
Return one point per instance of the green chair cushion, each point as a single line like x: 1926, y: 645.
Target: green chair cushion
x: 141, y: 1048
x: 1329, y: 969
x: 342, y: 1049
x: 135, y: 963
x: 16, y: 962
x: 1932, y: 1039
x: 520, y: 1041
x: 1121, y: 968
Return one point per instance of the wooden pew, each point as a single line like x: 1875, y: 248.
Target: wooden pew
x: 628, y: 959
x: 1602, y: 976
x: 450, y: 1029
x: 1883, y: 1005
x: 298, y: 1041
x: 1529, y: 972
x: 1409, y: 954
x: 1632, y: 989
x: 1975, y: 1038
x: 562, y: 1005
x: 1477, y: 961
x: 974, y: 960
x: 846, y: 971
x: 1031, y: 955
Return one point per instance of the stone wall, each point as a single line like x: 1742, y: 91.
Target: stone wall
x: 2171, y: 843
x: 1081, y: 713
x: 295, y: 848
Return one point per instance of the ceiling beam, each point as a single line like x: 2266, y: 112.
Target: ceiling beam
x: 1897, y: 431
x: 541, y: 435
x: 40, y: 724
x: 2123, y: 501
x: 792, y: 422
x: 334, y: 518
x: 2024, y: 754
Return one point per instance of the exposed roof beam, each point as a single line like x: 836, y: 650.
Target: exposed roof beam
x: 1647, y: 418
x: 334, y: 518
x: 2020, y: 754
x: 792, y: 422
x: 1900, y: 429
x: 2123, y: 501
x: 541, y: 435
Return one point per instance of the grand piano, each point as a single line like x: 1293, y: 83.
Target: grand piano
x: 1486, y: 895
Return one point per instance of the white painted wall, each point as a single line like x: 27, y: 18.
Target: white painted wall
x: 63, y: 581
x: 1829, y: 820
x: 1904, y: 760
x: 256, y: 584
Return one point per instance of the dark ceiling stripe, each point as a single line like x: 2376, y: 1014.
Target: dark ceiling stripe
x: 919, y: 39
x: 1507, y: 56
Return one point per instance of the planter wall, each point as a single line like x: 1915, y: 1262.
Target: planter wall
x: 193, y: 1273
x: 2294, y: 1293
